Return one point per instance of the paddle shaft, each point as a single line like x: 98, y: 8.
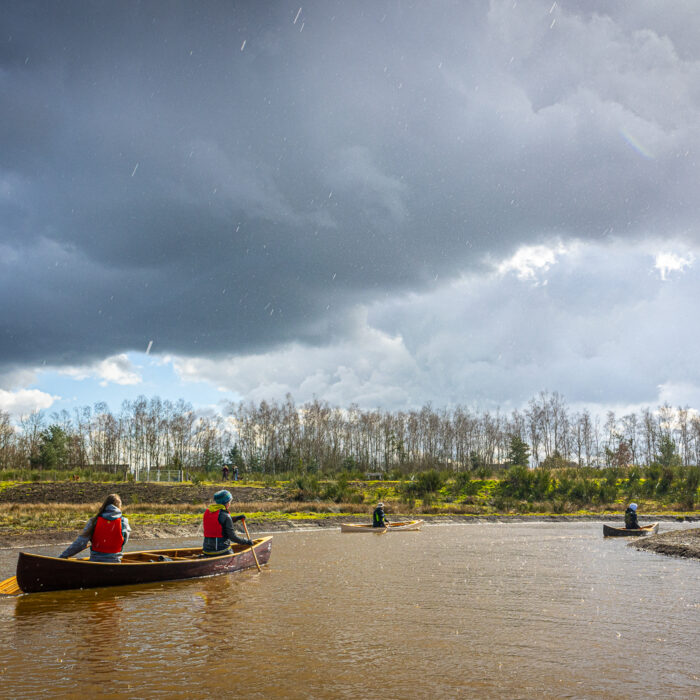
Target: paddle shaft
x: 252, y: 549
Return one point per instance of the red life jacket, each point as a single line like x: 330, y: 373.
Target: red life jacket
x: 212, y: 526
x: 107, y: 537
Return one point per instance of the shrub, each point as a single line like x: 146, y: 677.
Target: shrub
x: 686, y: 486
x: 663, y: 485
x: 426, y: 483
x: 304, y: 488
x: 517, y: 482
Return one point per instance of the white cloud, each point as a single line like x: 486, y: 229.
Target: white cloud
x: 25, y: 401
x: 531, y: 261
x: 117, y: 369
x: 667, y: 262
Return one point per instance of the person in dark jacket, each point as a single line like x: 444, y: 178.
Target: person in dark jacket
x: 378, y: 517
x: 631, y: 522
x: 219, y: 532
x: 106, y: 533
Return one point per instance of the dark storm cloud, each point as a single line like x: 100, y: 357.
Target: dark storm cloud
x: 226, y: 177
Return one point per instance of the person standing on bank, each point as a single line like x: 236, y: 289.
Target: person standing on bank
x: 224, y: 472
x: 106, y: 533
x: 631, y: 522
x: 378, y: 517
x: 219, y: 532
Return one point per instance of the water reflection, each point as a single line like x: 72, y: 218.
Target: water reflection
x: 480, y: 610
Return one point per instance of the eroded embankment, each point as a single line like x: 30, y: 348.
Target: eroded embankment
x: 677, y: 543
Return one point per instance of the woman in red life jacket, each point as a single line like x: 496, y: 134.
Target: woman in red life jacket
x: 218, y: 526
x: 106, y: 533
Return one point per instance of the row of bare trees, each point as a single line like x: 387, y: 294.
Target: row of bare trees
x: 146, y: 433
x: 275, y: 437
x: 281, y: 436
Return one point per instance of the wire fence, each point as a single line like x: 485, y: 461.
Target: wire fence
x: 158, y: 475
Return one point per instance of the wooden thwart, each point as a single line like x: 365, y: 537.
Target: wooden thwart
x: 9, y: 586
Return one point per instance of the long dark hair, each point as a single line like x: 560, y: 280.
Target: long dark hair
x: 111, y: 500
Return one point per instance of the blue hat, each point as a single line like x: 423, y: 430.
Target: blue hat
x: 223, y: 496
x: 633, y: 506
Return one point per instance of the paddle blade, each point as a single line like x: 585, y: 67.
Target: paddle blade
x: 9, y: 586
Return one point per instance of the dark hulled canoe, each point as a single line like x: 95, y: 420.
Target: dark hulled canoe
x: 609, y: 531
x: 36, y: 573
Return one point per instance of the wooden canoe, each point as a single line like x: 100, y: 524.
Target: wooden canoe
x: 609, y: 531
x: 36, y: 573
x: 406, y: 525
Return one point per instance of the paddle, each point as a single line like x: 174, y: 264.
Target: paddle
x: 9, y: 586
x: 252, y: 549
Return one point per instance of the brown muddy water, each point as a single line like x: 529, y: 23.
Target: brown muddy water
x: 480, y: 610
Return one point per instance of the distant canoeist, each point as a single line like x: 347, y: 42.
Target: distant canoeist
x: 218, y: 526
x: 378, y: 517
x: 631, y: 522
x: 106, y: 533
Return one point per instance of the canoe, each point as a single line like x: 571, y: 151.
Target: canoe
x: 609, y: 531
x: 406, y: 525
x: 36, y: 573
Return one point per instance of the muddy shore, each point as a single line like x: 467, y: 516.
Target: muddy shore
x: 678, y: 543
x: 39, y: 538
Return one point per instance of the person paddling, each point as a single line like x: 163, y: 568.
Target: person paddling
x: 378, y: 517
x: 631, y: 522
x: 219, y: 532
x: 106, y: 533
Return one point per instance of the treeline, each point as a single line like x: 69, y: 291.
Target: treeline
x: 146, y: 433
x: 282, y: 437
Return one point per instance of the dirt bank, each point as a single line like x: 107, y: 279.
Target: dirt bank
x: 678, y: 543
x: 257, y: 526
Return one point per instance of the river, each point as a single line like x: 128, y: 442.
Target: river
x: 518, y: 610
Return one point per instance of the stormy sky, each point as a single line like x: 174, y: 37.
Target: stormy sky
x: 381, y: 202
